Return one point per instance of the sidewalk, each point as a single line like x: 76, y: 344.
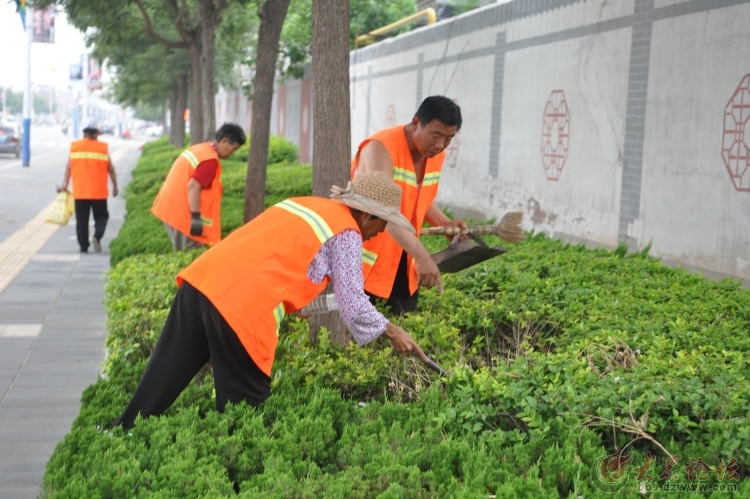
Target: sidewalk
x: 52, y: 326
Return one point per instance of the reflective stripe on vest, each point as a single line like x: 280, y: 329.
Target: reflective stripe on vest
x: 315, y: 221
x: 405, y: 176
x: 431, y: 178
x: 89, y: 155
x: 369, y: 257
x: 188, y: 155
x: 278, y: 314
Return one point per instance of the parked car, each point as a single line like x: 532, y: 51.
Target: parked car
x: 155, y: 131
x: 107, y: 129
x: 10, y: 142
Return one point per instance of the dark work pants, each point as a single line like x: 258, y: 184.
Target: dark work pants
x: 194, y: 333
x: 101, y: 215
x: 400, y: 301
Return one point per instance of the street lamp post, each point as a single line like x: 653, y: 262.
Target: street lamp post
x: 27, y: 99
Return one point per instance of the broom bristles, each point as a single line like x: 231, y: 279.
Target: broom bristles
x: 509, y: 228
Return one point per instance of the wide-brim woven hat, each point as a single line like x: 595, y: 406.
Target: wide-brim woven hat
x: 374, y: 193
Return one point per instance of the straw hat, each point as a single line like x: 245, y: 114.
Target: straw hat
x: 374, y: 193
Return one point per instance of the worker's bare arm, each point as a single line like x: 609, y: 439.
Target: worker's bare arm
x: 374, y: 157
x: 403, y: 342
x: 436, y: 217
x: 112, y: 176
x: 66, y: 177
x: 194, y: 195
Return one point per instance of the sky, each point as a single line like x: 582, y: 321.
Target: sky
x: 49, y: 62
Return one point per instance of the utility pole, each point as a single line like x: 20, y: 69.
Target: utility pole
x: 85, y: 88
x: 27, y: 98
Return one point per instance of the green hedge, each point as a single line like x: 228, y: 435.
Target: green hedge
x: 559, y: 355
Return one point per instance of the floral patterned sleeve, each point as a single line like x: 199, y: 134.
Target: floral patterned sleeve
x: 341, y: 259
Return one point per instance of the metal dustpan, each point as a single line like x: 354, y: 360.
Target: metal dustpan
x: 464, y: 254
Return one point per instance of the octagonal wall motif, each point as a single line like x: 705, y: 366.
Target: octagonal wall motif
x: 555, y: 134
x: 735, y: 148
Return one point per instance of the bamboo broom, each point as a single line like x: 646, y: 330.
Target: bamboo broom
x: 509, y: 229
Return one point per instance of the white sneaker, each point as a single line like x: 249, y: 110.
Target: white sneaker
x: 97, y: 245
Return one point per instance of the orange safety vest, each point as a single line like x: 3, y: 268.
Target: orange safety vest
x: 171, y: 203
x: 89, y: 168
x: 258, y: 274
x: 381, y: 254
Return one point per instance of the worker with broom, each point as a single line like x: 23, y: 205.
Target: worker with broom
x: 233, y: 297
x: 395, y: 262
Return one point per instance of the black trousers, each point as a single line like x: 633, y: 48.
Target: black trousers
x: 101, y: 215
x: 194, y: 333
x: 401, y: 300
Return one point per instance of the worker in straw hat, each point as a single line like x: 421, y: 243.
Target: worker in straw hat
x: 231, y: 300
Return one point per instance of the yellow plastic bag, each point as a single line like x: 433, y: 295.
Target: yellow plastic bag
x: 62, y: 210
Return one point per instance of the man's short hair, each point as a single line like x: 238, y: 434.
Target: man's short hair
x: 438, y: 107
x: 232, y: 132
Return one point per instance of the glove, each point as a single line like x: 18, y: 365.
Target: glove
x: 196, y: 224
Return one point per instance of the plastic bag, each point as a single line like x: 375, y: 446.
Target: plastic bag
x: 62, y: 210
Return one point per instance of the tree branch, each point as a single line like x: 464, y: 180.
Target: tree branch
x: 156, y: 36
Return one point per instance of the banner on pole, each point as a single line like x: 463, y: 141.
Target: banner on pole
x: 76, y: 71
x: 95, y: 74
x: 44, y: 25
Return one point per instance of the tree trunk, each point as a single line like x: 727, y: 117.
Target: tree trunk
x: 210, y: 17
x: 272, y: 14
x: 331, y: 120
x: 179, y: 104
x: 196, y: 94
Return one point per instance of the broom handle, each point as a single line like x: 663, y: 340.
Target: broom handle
x: 457, y: 231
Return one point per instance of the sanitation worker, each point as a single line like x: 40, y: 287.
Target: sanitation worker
x: 89, y: 165
x: 189, y: 202
x: 395, y: 262
x: 233, y: 297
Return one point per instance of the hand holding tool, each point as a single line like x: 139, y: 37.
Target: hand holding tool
x: 509, y: 229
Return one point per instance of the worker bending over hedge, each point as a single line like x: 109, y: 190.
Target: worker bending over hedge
x: 189, y: 201
x: 231, y: 300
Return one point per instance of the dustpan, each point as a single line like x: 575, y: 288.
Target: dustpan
x: 464, y: 254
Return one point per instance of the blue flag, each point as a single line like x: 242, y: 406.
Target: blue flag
x: 21, y: 9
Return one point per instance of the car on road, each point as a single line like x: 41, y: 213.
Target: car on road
x: 155, y: 131
x: 10, y: 142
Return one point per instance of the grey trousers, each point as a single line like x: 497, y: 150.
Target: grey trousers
x: 181, y: 241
